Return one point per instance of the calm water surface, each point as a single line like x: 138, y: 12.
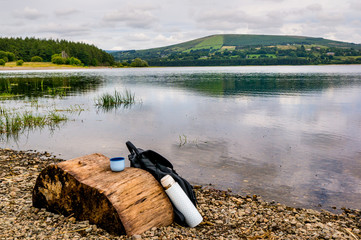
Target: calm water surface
x: 289, y: 134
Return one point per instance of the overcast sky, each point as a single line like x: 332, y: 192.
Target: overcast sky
x: 140, y: 24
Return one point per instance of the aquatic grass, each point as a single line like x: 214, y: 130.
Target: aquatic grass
x: 109, y: 101
x: 54, y: 118
x: 71, y: 109
x: 182, y: 140
x: 34, y: 103
x: 13, y: 124
x: 6, y: 95
x: 31, y: 121
x: 3, y: 110
x: 31, y: 115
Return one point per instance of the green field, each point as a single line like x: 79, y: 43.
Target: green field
x: 38, y: 65
x: 261, y: 49
x: 260, y: 55
x: 215, y: 42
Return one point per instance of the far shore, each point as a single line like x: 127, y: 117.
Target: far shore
x: 47, y: 68
x: 43, y: 66
x: 51, y: 66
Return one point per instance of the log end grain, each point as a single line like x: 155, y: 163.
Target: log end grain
x: 128, y: 202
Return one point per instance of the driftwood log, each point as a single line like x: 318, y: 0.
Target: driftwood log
x: 128, y: 202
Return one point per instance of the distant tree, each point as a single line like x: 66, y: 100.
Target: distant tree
x: 2, y: 54
x: 118, y: 64
x: 2, y: 62
x: 57, y: 60
x: 28, y: 47
x: 139, y: 63
x: 74, y: 61
x: 125, y: 63
x: 7, y: 55
x: 36, y: 59
x: 55, y: 56
x: 19, y: 62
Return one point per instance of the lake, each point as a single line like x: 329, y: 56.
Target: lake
x: 291, y: 134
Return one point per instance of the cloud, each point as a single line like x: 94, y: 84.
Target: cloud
x: 65, y: 12
x: 233, y: 19
x: 221, y: 20
x: 314, y: 7
x: 167, y: 40
x: 131, y: 17
x: 355, y: 5
x: 139, y: 37
x: 64, y: 29
x: 154, y: 23
x: 331, y: 18
x: 28, y: 13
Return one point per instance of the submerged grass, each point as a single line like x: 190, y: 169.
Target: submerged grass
x: 108, y: 101
x: 9, y: 95
x: 31, y: 116
x: 14, y: 123
x: 77, y: 108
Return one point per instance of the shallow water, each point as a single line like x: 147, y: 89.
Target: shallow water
x: 289, y: 134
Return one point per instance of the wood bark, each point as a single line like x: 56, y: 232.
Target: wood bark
x: 128, y: 202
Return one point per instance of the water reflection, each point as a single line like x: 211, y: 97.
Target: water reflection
x: 260, y: 84
x: 22, y: 110
x: 40, y: 86
x: 293, y: 137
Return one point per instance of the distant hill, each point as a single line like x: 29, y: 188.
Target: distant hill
x: 201, y: 51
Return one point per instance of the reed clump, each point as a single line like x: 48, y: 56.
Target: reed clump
x: 14, y: 123
x: 116, y: 99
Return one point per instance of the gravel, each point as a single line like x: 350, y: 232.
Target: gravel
x: 226, y: 215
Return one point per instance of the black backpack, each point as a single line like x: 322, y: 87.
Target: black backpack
x: 159, y: 166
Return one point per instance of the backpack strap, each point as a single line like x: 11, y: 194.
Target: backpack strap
x: 132, y: 148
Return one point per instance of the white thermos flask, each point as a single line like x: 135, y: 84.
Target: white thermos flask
x: 181, y: 201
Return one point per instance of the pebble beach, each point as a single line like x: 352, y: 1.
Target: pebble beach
x: 226, y: 215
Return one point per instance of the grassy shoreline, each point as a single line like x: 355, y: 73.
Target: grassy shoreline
x: 51, y: 66
x: 42, y: 66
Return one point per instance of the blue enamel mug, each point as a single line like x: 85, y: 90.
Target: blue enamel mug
x: 117, y: 164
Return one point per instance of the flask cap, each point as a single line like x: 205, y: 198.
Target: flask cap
x: 167, y: 181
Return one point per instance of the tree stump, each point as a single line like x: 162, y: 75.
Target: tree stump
x: 128, y: 202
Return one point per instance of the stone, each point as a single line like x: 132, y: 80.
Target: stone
x: 264, y: 220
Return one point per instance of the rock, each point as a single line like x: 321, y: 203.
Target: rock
x: 311, y: 211
x: 246, y: 219
x: 13, y: 194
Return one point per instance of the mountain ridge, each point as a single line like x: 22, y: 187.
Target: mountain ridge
x: 245, y: 45
x: 251, y: 37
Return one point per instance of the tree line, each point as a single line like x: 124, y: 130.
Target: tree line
x: 27, y: 48
x: 230, y: 62
x: 287, y: 55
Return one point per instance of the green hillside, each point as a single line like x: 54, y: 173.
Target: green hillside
x: 227, y: 48
x: 269, y: 40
